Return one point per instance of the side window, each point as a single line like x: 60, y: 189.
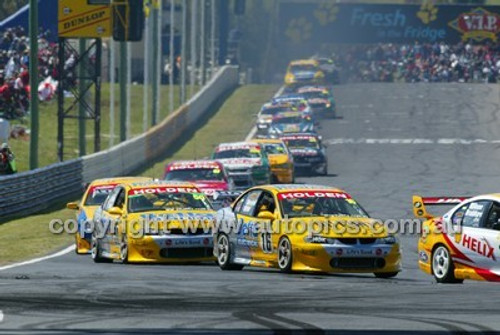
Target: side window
x: 458, y: 216
x: 475, y: 213
x: 265, y: 203
x: 248, y: 204
x: 493, y: 219
x: 120, y: 199
x: 110, y: 201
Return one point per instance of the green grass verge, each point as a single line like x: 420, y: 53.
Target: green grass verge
x: 29, y: 237
x: 48, y: 125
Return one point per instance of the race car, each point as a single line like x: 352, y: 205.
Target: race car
x: 280, y: 159
x: 297, y: 101
x: 303, y: 228
x: 208, y: 175
x: 327, y: 65
x: 319, y: 99
x: 464, y: 243
x: 154, y: 222
x: 301, y: 72
x: 246, y: 163
x: 268, y: 110
x: 309, y: 153
x: 290, y: 122
x: 94, y: 196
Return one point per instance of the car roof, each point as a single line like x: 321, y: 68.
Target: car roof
x: 304, y: 62
x: 280, y: 188
x: 299, y: 135
x: 268, y: 140
x: 238, y: 144
x: 490, y: 196
x: 160, y: 183
x: 194, y: 164
x: 118, y: 180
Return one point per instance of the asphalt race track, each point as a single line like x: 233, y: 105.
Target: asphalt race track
x: 393, y: 140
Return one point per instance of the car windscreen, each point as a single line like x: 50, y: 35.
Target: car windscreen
x: 315, y: 95
x: 159, y: 201
x: 304, y: 204
x: 289, y: 120
x: 302, y: 143
x: 275, y: 148
x: 195, y: 174
x: 274, y: 110
x: 303, y: 68
x: 237, y: 153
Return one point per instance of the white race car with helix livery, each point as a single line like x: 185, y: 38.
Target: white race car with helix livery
x: 464, y: 243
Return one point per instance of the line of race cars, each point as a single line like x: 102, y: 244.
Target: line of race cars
x: 242, y: 208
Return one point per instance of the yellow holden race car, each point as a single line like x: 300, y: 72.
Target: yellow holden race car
x: 464, y: 243
x: 303, y: 228
x: 94, y: 196
x: 280, y: 160
x: 304, y: 72
x: 154, y: 222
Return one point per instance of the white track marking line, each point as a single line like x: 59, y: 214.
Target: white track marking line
x: 443, y: 141
x: 1, y: 315
x: 41, y: 259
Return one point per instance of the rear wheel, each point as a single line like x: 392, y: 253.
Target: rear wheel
x: 442, y: 266
x: 285, y: 256
x: 224, y: 254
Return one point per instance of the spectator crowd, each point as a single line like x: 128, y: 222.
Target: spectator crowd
x: 14, y: 73
x: 438, y: 62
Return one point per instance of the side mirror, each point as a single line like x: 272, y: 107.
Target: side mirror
x: 266, y: 215
x: 115, y: 211
x: 72, y: 205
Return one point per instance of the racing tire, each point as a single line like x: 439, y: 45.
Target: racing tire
x: 285, y: 255
x: 76, y: 245
x: 224, y: 254
x: 442, y: 266
x: 95, y: 252
x: 386, y: 275
x: 124, y: 249
x: 324, y: 171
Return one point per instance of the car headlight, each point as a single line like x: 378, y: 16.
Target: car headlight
x: 391, y: 239
x: 328, y: 105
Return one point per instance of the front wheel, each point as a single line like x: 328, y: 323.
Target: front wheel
x: 385, y: 275
x: 224, y: 254
x: 95, y: 252
x: 285, y: 255
x: 124, y: 249
x: 442, y: 266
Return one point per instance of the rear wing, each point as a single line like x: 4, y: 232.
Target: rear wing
x: 419, y: 204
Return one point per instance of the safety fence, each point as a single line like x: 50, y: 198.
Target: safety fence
x: 29, y: 192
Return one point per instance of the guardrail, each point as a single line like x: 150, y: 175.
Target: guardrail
x: 29, y: 192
